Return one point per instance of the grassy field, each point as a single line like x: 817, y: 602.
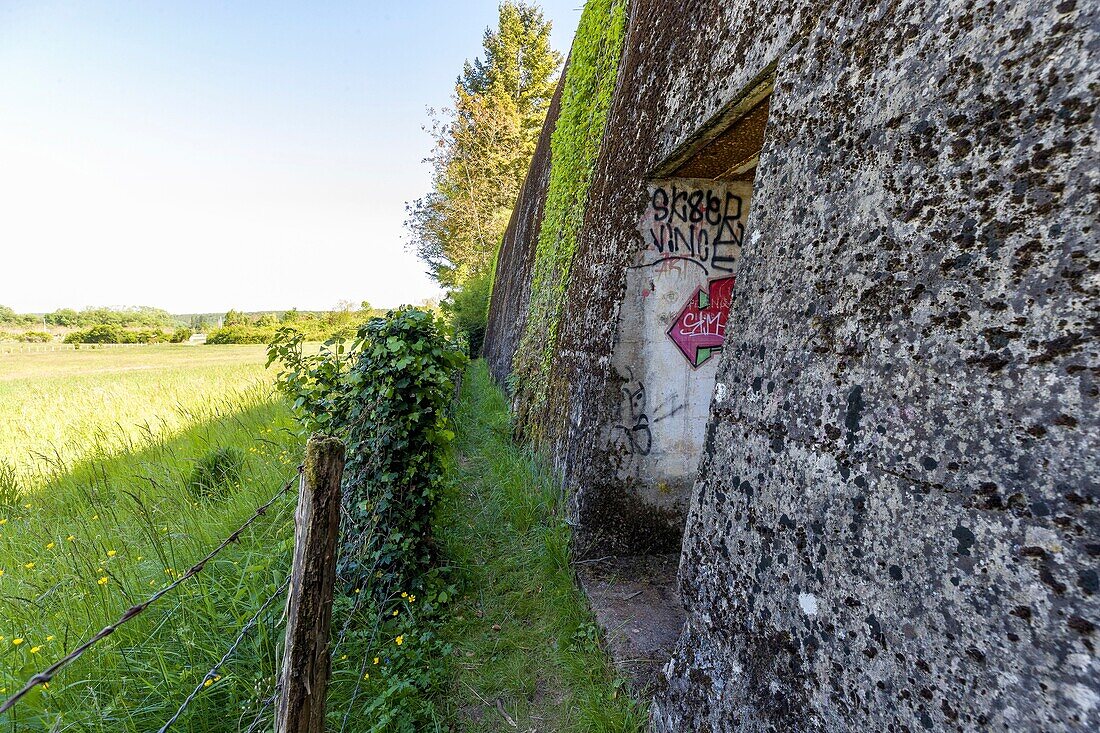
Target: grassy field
x: 62, y: 408
x: 104, y: 509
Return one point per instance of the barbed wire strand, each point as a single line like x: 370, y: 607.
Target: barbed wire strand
x: 265, y: 707
x: 225, y: 657
x: 48, y: 674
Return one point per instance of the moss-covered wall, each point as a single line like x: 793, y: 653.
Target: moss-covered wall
x: 578, y: 130
x: 895, y: 524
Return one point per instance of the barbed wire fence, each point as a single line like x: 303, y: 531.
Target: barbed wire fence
x: 269, y: 703
x: 46, y: 675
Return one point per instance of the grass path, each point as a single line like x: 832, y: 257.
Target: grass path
x: 527, y: 647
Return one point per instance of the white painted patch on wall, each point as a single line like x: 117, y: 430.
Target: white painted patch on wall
x: 808, y: 601
x: 720, y: 392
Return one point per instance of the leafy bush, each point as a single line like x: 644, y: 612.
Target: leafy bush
x: 34, y: 337
x: 216, y: 473
x: 386, y: 397
x: 240, y: 335
x: 468, y: 307
x: 101, y: 334
x: 180, y: 335
x: 108, y: 334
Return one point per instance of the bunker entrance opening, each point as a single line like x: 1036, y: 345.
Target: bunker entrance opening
x: 677, y: 303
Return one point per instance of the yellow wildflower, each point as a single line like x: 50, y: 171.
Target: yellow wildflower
x: 36, y: 649
x: 412, y: 599
x: 395, y: 612
x: 26, y: 506
x: 400, y: 640
x: 95, y: 517
x: 111, y: 553
x: 49, y: 638
x: 50, y: 546
x: 343, y: 657
x: 3, y: 522
x: 1, y: 572
x: 29, y: 565
x: 207, y: 683
x: 103, y: 580
x: 17, y: 641
x: 376, y: 660
x: 71, y: 538
x: 366, y: 676
x: 404, y: 594
x: 139, y: 557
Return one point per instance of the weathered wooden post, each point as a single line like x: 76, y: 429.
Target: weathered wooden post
x: 306, y: 663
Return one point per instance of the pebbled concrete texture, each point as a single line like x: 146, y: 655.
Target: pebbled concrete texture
x: 894, y: 525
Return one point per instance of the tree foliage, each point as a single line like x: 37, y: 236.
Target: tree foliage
x: 483, y: 147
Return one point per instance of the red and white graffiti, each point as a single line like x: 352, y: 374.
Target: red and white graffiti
x: 700, y: 329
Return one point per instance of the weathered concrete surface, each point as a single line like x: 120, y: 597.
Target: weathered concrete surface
x: 895, y: 524
x: 637, y: 604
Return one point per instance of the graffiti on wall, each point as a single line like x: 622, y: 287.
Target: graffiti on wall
x: 700, y: 329
x: 700, y: 226
x: 632, y: 434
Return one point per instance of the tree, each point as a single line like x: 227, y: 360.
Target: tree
x: 236, y: 318
x: 483, y: 147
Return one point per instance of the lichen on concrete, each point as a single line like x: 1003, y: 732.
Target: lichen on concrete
x: 894, y: 525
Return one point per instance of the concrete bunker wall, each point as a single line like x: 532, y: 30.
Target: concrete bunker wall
x: 895, y: 523
x: 512, y: 279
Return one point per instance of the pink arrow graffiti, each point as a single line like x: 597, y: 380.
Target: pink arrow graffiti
x: 701, y: 327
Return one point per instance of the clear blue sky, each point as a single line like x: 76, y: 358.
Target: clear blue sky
x: 199, y: 156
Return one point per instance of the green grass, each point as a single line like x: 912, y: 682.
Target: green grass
x: 523, y: 631
x: 61, y: 408
x: 115, y: 515
x: 110, y: 516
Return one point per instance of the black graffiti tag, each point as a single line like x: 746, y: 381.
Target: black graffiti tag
x: 696, y: 225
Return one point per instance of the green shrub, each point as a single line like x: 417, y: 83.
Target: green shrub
x: 101, y: 334
x: 241, y: 335
x: 180, y: 335
x: 216, y: 473
x: 35, y: 337
x: 468, y: 307
x: 387, y: 398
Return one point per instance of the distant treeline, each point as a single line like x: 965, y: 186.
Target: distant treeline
x: 244, y: 328
x: 139, y: 317
x: 153, y: 325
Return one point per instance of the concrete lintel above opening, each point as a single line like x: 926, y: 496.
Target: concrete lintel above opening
x: 728, y: 146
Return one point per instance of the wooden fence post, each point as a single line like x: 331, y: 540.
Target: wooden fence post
x: 306, y: 662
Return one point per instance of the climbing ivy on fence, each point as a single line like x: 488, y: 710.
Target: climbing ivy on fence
x: 574, y: 146
x: 386, y: 396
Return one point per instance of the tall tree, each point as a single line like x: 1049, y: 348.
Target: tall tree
x: 483, y: 147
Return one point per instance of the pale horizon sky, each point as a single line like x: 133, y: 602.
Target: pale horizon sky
x: 203, y: 156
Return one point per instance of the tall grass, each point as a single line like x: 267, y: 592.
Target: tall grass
x: 524, y: 633
x: 62, y: 408
x: 108, y: 514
